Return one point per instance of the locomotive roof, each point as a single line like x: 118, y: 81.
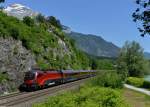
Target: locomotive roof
x: 74, y: 71
x: 64, y: 71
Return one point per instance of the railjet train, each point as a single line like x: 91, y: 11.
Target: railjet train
x: 39, y: 79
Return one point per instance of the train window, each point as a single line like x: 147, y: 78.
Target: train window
x: 29, y: 76
x: 39, y: 75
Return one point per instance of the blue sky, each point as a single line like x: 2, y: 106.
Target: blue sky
x: 110, y: 19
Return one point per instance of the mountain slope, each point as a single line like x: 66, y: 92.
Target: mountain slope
x: 94, y: 45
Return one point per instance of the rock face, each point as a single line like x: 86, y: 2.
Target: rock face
x: 14, y: 61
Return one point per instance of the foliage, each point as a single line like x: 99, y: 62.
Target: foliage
x: 146, y: 84
x: 29, y: 21
x: 131, y: 59
x: 52, y: 20
x: 40, y: 18
x: 92, y: 97
x: 102, y: 63
x: 142, y: 15
x: 107, y: 79
x: 3, y: 77
x: 138, y: 82
x: 122, y: 69
x: 2, y: 1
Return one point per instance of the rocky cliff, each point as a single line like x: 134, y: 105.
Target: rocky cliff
x: 14, y: 61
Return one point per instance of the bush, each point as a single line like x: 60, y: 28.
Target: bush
x: 3, y: 77
x: 138, y: 82
x: 146, y: 84
x: 92, y: 97
x: 108, y: 79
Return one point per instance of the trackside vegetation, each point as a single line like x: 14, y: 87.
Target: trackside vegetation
x: 107, y: 79
x: 97, y: 92
x: 86, y: 97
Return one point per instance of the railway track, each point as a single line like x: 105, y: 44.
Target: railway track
x: 11, y: 95
x: 25, y: 99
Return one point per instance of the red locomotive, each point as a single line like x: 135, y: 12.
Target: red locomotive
x: 37, y: 79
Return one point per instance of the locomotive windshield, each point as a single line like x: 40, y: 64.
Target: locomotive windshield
x: 29, y: 76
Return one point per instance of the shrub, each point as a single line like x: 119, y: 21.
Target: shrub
x: 92, y: 97
x: 146, y: 84
x: 3, y: 77
x: 28, y: 21
x: 108, y: 79
x: 138, y: 82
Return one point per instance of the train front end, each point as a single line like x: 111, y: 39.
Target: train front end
x: 29, y: 82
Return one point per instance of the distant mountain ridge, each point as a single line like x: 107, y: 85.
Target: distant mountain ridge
x: 147, y: 55
x: 94, y: 45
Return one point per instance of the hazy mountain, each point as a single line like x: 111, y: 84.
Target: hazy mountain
x: 94, y: 45
x: 19, y: 11
x: 147, y: 55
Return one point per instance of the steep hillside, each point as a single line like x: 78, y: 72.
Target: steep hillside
x: 94, y: 45
x: 34, y: 42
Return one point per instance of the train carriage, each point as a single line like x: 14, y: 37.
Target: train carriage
x: 37, y: 79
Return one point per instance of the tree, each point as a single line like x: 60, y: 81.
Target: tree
x: 94, y: 64
x: 52, y: 20
x: 2, y: 1
x: 142, y: 16
x: 40, y: 18
x: 28, y: 21
x: 131, y: 59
